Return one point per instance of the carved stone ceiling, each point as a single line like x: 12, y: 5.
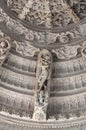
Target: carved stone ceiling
x: 49, y: 13
x: 50, y: 34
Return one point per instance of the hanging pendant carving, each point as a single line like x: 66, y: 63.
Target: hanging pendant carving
x: 42, y: 90
x: 4, y: 48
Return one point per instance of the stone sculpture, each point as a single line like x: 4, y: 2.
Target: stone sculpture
x: 44, y: 71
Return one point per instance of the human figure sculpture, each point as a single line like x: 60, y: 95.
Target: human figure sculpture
x: 44, y: 74
x: 44, y: 69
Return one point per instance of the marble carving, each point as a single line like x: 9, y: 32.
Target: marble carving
x: 42, y: 64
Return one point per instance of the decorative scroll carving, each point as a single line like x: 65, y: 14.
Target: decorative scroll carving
x: 44, y: 70
x: 66, y: 52
x: 4, y: 48
x: 65, y: 37
x: 25, y: 49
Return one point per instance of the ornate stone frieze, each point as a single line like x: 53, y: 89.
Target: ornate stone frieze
x: 63, y: 53
x: 26, y: 49
x: 67, y: 84
x: 16, y: 104
x: 27, y: 65
x: 66, y: 52
x: 43, y: 37
x: 71, y: 67
x: 46, y: 13
x: 17, y: 80
x: 67, y: 106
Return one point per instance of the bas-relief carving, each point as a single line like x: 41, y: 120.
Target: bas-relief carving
x: 63, y: 52
x: 42, y: 90
x: 25, y: 49
x: 38, y: 12
x: 66, y: 52
x: 81, y: 7
x: 41, y: 97
x: 43, y: 37
x: 45, y: 13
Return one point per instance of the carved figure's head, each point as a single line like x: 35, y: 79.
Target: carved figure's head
x: 46, y: 59
x: 4, y: 46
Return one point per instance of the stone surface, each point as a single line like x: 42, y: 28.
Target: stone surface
x: 42, y: 64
